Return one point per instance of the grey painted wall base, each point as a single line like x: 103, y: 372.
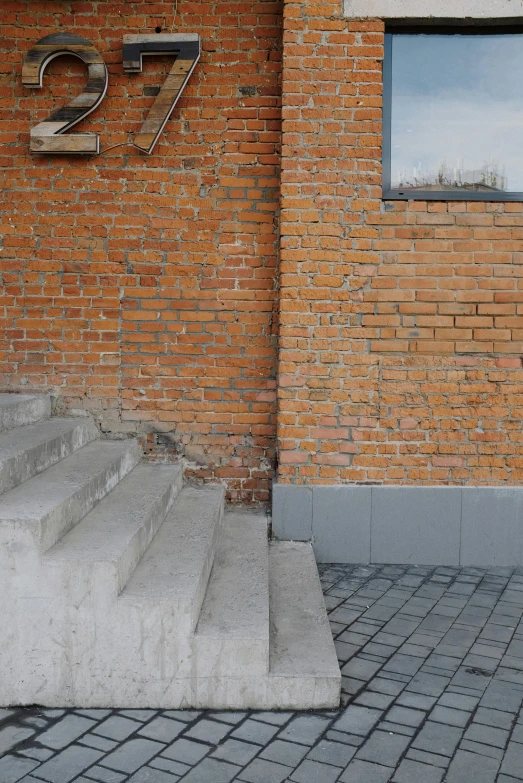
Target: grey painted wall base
x: 403, y: 524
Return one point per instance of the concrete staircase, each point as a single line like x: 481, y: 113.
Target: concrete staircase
x: 121, y: 587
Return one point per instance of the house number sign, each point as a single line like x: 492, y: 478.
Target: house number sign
x: 48, y: 136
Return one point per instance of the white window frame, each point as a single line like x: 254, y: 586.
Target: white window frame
x: 436, y: 9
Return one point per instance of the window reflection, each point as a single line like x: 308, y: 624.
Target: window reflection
x: 457, y: 112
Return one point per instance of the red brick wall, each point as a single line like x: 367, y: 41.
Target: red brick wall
x: 401, y: 324
x: 142, y: 288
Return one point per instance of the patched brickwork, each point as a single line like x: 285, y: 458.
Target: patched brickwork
x: 401, y: 324
x: 142, y: 288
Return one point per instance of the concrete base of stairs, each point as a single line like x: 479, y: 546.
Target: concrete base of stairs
x: 120, y: 587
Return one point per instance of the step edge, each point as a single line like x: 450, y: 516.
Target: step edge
x: 121, y: 465
x: 81, y: 432
x: 187, y: 606
x: 120, y: 565
x: 326, y: 659
x: 28, y: 401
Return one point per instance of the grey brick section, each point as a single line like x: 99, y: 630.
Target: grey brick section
x: 432, y: 692
x: 403, y: 524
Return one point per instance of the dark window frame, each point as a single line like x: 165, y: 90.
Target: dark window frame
x: 390, y: 194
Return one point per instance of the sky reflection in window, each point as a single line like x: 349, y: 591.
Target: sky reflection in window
x: 457, y: 112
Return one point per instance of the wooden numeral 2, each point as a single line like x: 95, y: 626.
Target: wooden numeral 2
x: 47, y: 136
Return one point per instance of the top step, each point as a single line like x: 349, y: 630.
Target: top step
x: 16, y: 410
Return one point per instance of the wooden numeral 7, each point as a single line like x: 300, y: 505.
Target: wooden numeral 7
x: 46, y: 136
x: 186, y: 47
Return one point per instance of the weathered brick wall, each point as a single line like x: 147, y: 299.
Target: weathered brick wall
x: 142, y: 288
x: 401, y: 324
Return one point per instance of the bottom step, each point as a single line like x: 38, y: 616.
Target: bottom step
x: 303, y: 657
x: 304, y: 671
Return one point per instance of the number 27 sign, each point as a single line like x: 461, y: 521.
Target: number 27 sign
x: 47, y: 136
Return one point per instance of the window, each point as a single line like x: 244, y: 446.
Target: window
x: 453, y: 115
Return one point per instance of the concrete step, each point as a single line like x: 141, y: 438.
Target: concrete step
x: 46, y: 506
x: 28, y: 450
x: 173, y: 574
x: 19, y: 409
x: 104, y: 548
x: 232, y: 635
x: 303, y: 670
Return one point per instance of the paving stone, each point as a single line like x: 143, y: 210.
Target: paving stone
x: 278, y: 718
x: 169, y: 765
x: 208, y: 731
x: 468, y: 766
x: 364, y: 772
x: 139, y: 715
x: 289, y: 753
x: 405, y: 716
x: 258, y: 771
x: 437, y: 738
x: 100, y: 743
x: 360, y: 669
x: 450, y: 716
x: 403, y: 664
x: 65, y: 731
x: 13, y: 768
x: 428, y: 684
x: 105, y: 775
x: 186, y: 751
x: 117, y: 728
x: 335, y: 753
x: 513, y: 760
x: 482, y: 750
x: 371, y: 699
x: 503, y: 720
x: 347, y: 739
x: 517, y: 734
x: 305, y: 729
x: 416, y: 701
x: 230, y: 717
x: 148, y: 775
x: 487, y: 735
x: 357, y: 720
x: 458, y: 701
x: 12, y: 735
x: 314, y: 771
x: 381, y: 685
x: 236, y: 752
x: 68, y: 764
x: 502, y: 696
x: 383, y: 748
x: 94, y: 714
x: 414, y: 772
x: 255, y: 731
x: 132, y: 754
x: 162, y: 729
x: 428, y: 758
x: 40, y: 754
x: 397, y: 728
x: 187, y: 716
x: 212, y: 770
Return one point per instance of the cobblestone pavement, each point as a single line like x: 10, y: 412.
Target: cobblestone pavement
x: 432, y: 660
